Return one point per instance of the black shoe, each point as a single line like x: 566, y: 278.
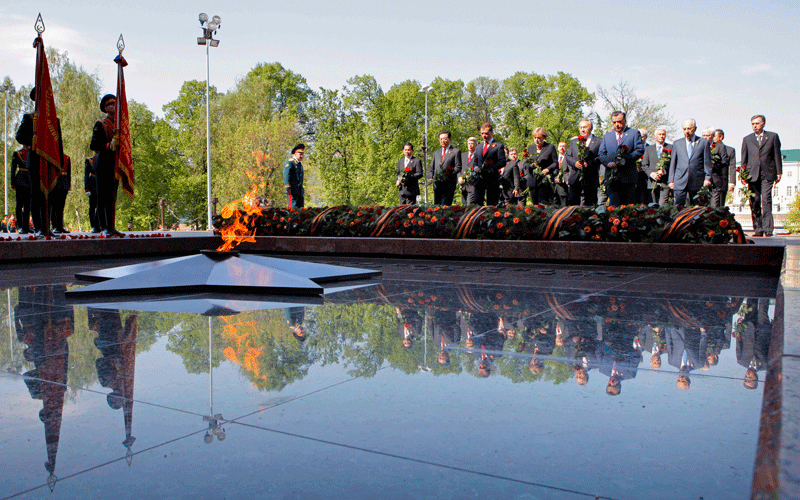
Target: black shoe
x: 116, y: 233
x: 758, y: 235
x: 769, y: 235
x: 56, y: 231
x: 63, y: 231
x: 25, y: 231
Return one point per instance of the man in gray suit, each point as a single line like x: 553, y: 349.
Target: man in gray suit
x: 761, y: 156
x: 656, y: 178
x: 690, y: 164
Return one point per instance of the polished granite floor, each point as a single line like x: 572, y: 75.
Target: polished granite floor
x: 438, y: 380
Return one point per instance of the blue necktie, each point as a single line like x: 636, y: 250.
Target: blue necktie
x: 689, y: 148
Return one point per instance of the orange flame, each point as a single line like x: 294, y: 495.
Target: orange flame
x: 238, y: 232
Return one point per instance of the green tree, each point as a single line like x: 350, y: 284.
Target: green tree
x: 792, y: 220
x: 480, y: 97
x: 564, y: 103
x: 519, y: 103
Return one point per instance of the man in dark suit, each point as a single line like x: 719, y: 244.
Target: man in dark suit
x: 689, y: 165
x: 719, y: 169
x: 409, y: 171
x: 444, y: 170
x: 468, y: 163
x: 622, y: 191
x: 509, y: 178
x: 642, y: 193
x: 719, y: 136
x: 656, y: 178
x: 586, y: 188
x: 761, y: 157
x: 560, y: 176
x: 489, y: 157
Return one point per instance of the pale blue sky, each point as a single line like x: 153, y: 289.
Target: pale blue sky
x: 718, y: 62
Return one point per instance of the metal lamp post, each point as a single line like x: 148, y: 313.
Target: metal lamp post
x: 425, y: 89
x: 5, y: 146
x: 209, y: 30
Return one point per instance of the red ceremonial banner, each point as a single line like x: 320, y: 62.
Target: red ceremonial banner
x: 124, y: 167
x: 45, y: 126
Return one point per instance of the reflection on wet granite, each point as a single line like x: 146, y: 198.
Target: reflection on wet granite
x: 397, y: 390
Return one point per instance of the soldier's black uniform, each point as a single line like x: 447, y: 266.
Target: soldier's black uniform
x: 21, y: 183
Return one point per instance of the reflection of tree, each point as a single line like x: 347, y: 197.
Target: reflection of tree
x: 187, y: 337
x: 269, y: 354
x: 362, y: 336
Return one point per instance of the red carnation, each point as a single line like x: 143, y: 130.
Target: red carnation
x: 408, y: 169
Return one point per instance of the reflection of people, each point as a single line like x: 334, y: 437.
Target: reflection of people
x: 617, y: 356
x: 409, y: 325
x: 752, y: 347
x: 409, y: 171
x: 46, y: 335
x: 116, y: 366
x: 761, y: 157
x: 293, y: 178
x: 294, y: 320
x: 104, y: 144
x: 446, y: 333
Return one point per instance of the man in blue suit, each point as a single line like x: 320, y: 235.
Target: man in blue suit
x: 690, y: 164
x: 622, y: 191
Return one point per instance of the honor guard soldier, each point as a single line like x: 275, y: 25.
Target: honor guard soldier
x: 293, y: 178
x: 21, y: 183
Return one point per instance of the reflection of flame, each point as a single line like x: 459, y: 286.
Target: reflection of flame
x: 238, y: 232
x: 244, y: 353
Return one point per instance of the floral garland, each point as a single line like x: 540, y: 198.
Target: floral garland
x: 626, y: 223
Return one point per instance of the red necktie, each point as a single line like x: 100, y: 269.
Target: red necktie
x: 619, y: 138
x: 444, y: 152
x: 485, y: 147
x: 470, y: 158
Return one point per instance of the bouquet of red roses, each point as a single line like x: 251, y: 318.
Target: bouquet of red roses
x: 620, y: 159
x: 716, y: 159
x: 662, y: 166
x: 443, y: 176
x: 745, y: 192
x: 581, y: 155
x: 404, y: 179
